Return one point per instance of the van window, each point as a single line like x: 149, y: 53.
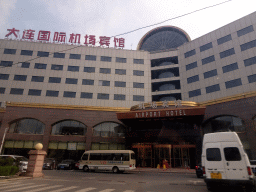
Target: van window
x: 95, y: 156
x: 85, y: 157
x: 213, y: 154
x: 232, y: 154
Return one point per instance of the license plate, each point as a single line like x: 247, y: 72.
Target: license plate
x: 216, y: 176
x: 62, y: 167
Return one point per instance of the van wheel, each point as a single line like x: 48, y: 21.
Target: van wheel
x: 115, y: 170
x: 85, y: 168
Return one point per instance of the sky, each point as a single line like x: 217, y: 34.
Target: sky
x: 113, y: 17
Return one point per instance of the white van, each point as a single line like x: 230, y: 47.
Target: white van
x: 225, y: 162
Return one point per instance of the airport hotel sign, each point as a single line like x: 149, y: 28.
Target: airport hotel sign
x: 62, y: 37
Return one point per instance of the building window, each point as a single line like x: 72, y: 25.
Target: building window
x: 40, y: 66
x: 208, y: 60
x: 69, y: 94
x: 4, y: 76
x: 87, y: 82
x: 224, y: 39
x: 138, y: 85
x: 20, y: 77
x: 25, y: 65
x: 109, y: 129
x: 120, y: 84
x: 138, y: 98
x: 138, y: 73
x: 252, y: 78
x: 6, y: 63
x: 74, y: 56
x: 250, y: 61
x: 120, y: 60
x: 120, y: 71
x: 71, y: 81
x: 86, y: 95
x: 119, y: 97
x: 58, y: 55
x: 27, y: 126
x: 245, y: 31
x: 190, y: 53
x: 194, y: 93
x: 211, y: 73
x: 248, y: 45
x: 34, y: 92
x: 90, y: 57
x: 108, y: 146
x: 104, y: 83
x: 57, y: 67
x: 26, y: 52
x: 16, y: 91
x: 69, y: 127
x: 54, y: 80
x: 212, y: 88
x: 193, y: 79
x: 205, y: 47
x: 233, y: 83
x: 51, y: 93
x: 10, y: 51
x: 73, y: 68
x: 191, y: 66
x: 227, y: 53
x: 89, y: 69
x: 37, y: 79
x: 105, y: 70
x: 106, y: 59
x: 230, y: 67
x: 138, y: 61
x: 2, y: 90
x: 42, y: 54
x: 103, y: 96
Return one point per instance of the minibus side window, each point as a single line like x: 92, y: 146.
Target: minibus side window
x: 213, y: 154
x: 117, y: 157
x: 232, y: 154
x: 85, y: 157
x: 125, y: 157
x: 95, y: 156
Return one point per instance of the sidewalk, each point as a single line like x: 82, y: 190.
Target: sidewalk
x: 161, y: 170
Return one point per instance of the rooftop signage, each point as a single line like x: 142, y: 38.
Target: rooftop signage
x: 61, y: 37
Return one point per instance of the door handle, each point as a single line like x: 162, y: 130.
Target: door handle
x: 227, y: 164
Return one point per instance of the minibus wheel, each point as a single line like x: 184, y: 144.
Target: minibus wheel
x: 115, y: 170
x: 85, y: 168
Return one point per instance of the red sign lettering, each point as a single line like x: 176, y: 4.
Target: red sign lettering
x: 120, y: 42
x: 12, y: 31
x: 74, y: 38
x: 59, y: 36
x: 28, y: 34
x: 43, y: 35
x: 104, y: 40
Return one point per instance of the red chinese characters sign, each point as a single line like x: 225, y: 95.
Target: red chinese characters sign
x: 60, y: 37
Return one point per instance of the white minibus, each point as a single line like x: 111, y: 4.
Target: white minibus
x: 111, y: 160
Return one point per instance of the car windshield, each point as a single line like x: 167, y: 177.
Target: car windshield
x: 22, y: 159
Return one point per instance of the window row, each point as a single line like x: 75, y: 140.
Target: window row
x: 72, y: 56
x: 221, y: 41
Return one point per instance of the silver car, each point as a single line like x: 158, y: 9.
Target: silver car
x: 23, y: 161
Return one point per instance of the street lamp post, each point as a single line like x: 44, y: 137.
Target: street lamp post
x: 6, y: 129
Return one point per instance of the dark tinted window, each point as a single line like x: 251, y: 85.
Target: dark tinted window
x: 232, y: 154
x: 6, y: 63
x: 190, y: 53
x: 248, y: 45
x: 230, y: 67
x: 37, y: 78
x: 10, y: 51
x: 26, y: 52
x: 252, y: 78
x: 50, y: 93
x: 105, y: 70
x: 119, y: 97
x: 104, y: 83
x: 250, y: 61
x: 138, y: 85
x: 69, y: 94
x: 42, y: 54
x: 227, y: 53
x: 59, y: 55
x: 103, y: 96
x: 87, y: 82
x: 2, y: 90
x: 138, y: 73
x: 15, y: 91
x: 40, y: 66
x: 194, y: 93
x: 95, y: 156
x: 54, y: 79
x: 20, y: 77
x: 213, y: 154
x: 90, y: 57
x: 193, y: 79
x: 73, y: 68
x: 86, y: 95
x: 138, y: 61
x: 205, y: 47
x: 138, y: 98
x: 120, y: 60
x: 211, y: 73
x: 104, y: 58
x: 224, y: 39
x: 34, y: 92
x: 245, y: 31
x: 191, y: 66
x: 57, y: 67
x: 89, y: 69
x: 4, y: 76
x: 212, y: 88
x: 208, y: 60
x: 233, y: 83
x: 71, y: 81
x: 120, y: 84
x: 74, y: 56
x: 85, y: 157
x: 120, y: 71
x: 25, y: 65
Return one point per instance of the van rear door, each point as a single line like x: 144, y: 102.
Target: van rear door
x: 235, y: 163
x: 214, y: 164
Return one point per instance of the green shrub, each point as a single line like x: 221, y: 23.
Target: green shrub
x: 8, y: 170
